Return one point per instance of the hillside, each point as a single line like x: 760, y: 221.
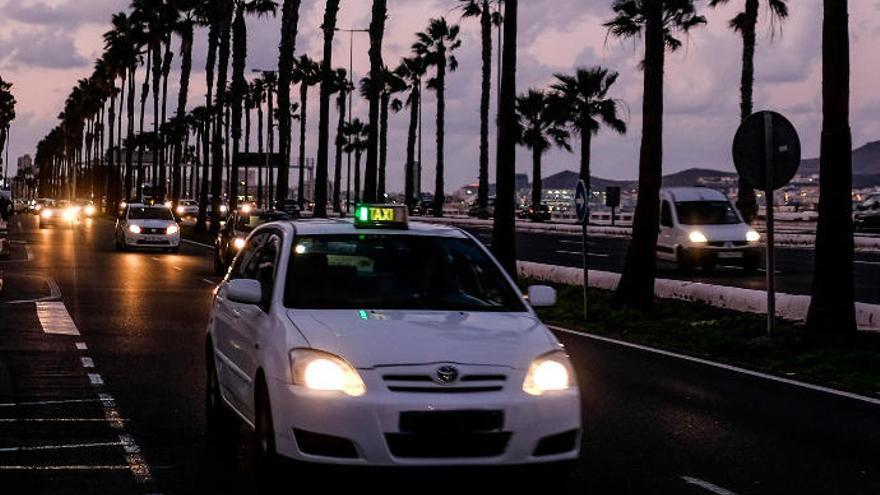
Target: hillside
x: 568, y: 179
x: 866, y: 161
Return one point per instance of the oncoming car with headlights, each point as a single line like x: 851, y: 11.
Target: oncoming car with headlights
x: 699, y: 227
x: 382, y: 343
x: 231, y: 237
x: 145, y: 226
x: 57, y: 214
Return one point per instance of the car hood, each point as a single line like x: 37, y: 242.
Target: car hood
x: 152, y: 224
x: 379, y: 338
x: 721, y: 233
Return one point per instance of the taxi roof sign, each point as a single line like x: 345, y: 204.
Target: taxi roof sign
x: 380, y: 216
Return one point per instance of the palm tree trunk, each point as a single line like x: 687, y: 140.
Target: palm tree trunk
x: 329, y: 26
x: 337, y: 173
x: 746, y: 201
x: 210, y: 65
x: 157, y: 80
x: 303, y: 115
x: 486, y: 28
x: 357, y: 176
x: 186, y: 44
x: 537, y: 189
x: 239, y: 85
x: 289, y: 22
x: 111, y: 178
x: 377, y: 32
x: 260, y: 150
x: 586, y: 144
x: 439, y: 193
x: 409, y: 173
x: 217, y: 144
x: 504, y: 231
x: 145, y: 90
x: 383, y: 144
x: 271, y: 146
x: 832, y: 308
x: 160, y: 138
x: 636, y: 288
x: 247, y: 148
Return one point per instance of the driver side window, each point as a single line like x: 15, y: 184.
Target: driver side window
x: 245, y: 265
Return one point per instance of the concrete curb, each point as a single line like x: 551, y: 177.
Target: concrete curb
x: 791, y: 307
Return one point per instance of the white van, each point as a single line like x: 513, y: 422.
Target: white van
x: 699, y: 227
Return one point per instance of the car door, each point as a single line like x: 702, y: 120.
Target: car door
x: 666, y: 237
x: 234, y: 380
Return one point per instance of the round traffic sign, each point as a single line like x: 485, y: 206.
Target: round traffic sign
x: 580, y: 202
x: 750, y: 150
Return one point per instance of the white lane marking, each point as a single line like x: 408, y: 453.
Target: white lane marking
x: 199, y: 244
x: 87, y: 362
x: 56, y: 420
x: 54, y: 290
x: 874, y: 263
x: 155, y: 258
x: 578, y: 243
x: 33, y: 448
x: 81, y: 346
x: 96, y: 379
x: 578, y: 253
x: 29, y: 252
x: 209, y: 282
x: 47, y: 402
x: 717, y: 490
x: 74, y: 467
x: 726, y: 367
x: 55, y: 319
x: 140, y: 470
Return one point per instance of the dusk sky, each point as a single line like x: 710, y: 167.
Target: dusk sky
x: 48, y: 44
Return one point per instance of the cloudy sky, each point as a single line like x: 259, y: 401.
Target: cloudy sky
x: 47, y: 45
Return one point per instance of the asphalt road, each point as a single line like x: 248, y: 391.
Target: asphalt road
x: 112, y: 402
x: 794, y: 266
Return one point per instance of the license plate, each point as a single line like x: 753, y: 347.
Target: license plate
x: 152, y: 238
x: 728, y: 256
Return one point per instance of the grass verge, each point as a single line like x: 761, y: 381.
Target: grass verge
x: 725, y: 336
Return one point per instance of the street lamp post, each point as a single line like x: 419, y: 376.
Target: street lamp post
x: 350, y: 100
x: 269, y: 133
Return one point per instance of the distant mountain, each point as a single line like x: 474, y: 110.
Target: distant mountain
x: 568, y: 179
x: 866, y: 161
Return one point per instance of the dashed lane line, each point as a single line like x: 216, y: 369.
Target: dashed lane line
x: 87, y: 362
x: 578, y: 253
x: 34, y: 448
x: 81, y: 346
x: 95, y: 379
x: 56, y: 420
x: 705, y: 485
x: 55, y: 319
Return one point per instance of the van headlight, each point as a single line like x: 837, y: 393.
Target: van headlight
x: 753, y: 236
x: 172, y: 229
x: 134, y: 229
x: 317, y: 370
x: 697, y: 237
x: 548, y: 373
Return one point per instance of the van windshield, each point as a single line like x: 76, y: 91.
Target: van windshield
x: 706, y: 213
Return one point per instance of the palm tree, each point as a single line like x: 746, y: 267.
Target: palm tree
x: 342, y: 87
x: 435, y: 46
x: 746, y: 23
x: 660, y: 20
x: 377, y: 66
x: 391, y: 85
x: 224, y: 27
x: 185, y: 28
x: 258, y: 97
x: 504, y: 227
x: 482, y: 9
x: 239, y: 87
x: 289, y: 22
x: 327, y: 85
x: 208, y: 15
x: 358, y: 139
x: 306, y: 73
x: 539, y: 130
x: 7, y: 115
x: 832, y: 310
x: 411, y: 70
x: 581, y: 102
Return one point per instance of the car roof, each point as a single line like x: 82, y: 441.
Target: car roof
x: 693, y: 194
x: 346, y: 226
x: 141, y: 205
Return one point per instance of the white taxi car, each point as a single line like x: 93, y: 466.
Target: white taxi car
x: 147, y: 226
x: 382, y: 343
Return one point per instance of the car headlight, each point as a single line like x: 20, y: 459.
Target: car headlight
x: 697, y: 237
x: 318, y: 370
x: 180, y: 210
x: 548, y: 373
x: 46, y: 214
x: 753, y: 236
x: 172, y: 229
x: 238, y: 243
x: 224, y: 208
x: 90, y: 210
x: 134, y: 229
x: 69, y: 214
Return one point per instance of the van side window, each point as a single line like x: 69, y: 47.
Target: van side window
x: 665, y: 214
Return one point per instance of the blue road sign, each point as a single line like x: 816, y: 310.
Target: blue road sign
x: 580, y: 202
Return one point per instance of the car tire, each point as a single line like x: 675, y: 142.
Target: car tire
x: 219, y: 421
x: 265, y: 455
x: 751, y: 263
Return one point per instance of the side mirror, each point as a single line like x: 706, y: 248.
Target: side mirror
x: 542, y: 296
x: 244, y: 291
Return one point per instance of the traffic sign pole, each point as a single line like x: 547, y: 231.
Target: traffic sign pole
x: 769, y: 202
x: 582, y: 208
x: 586, y: 266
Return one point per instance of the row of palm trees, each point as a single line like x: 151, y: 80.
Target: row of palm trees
x: 539, y: 119
x: 7, y: 115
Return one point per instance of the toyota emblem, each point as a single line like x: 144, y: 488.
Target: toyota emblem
x: 446, y: 374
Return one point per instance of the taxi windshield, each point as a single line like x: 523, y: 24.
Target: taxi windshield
x: 395, y: 272
x: 149, y: 213
x: 706, y: 213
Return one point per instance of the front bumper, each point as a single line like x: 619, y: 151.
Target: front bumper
x: 719, y: 254
x: 152, y: 240
x: 372, y: 431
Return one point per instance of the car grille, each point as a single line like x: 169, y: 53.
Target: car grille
x: 424, y: 383
x: 152, y: 230
x: 722, y: 244
x: 445, y: 434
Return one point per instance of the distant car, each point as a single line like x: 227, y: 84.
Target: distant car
x: 85, y: 208
x: 539, y: 214
x: 19, y: 206
x: 699, y: 227
x: 290, y: 207
x: 867, y: 214
x: 57, y: 214
x: 187, y: 208
x: 144, y: 226
x: 39, y: 204
x: 238, y: 225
